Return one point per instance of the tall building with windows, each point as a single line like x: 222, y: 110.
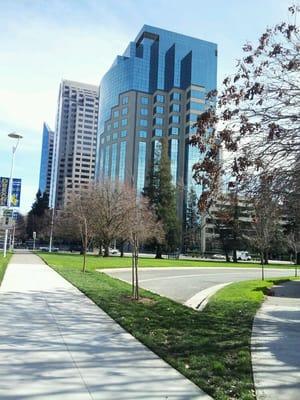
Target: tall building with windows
x: 46, y: 159
x: 156, y: 88
x: 75, y: 139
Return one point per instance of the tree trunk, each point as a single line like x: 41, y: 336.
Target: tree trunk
x: 106, y: 250
x: 234, y: 257
x: 158, y: 251
x: 84, y: 261
x: 132, y: 274
x: 136, y: 271
x: 262, y: 266
x: 100, y: 250
x: 266, y: 257
x: 122, y: 249
x: 227, y: 256
x: 298, y: 257
x: 84, y: 246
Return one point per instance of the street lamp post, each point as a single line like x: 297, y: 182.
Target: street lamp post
x: 16, y: 136
x: 51, y: 229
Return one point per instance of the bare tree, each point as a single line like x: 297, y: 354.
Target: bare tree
x: 257, y: 116
x: 79, y: 216
x: 143, y: 226
x: 115, y: 202
x: 266, y: 215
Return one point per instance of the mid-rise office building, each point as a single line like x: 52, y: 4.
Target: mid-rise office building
x: 46, y: 160
x: 156, y: 88
x: 74, y: 141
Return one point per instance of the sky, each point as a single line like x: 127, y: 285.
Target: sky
x: 45, y: 41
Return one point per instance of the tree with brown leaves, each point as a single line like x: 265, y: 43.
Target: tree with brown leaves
x: 256, y: 118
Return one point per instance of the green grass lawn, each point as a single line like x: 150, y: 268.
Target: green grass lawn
x: 3, y: 264
x: 95, y: 262
x: 211, y: 348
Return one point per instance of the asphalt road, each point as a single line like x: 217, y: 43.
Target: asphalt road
x: 180, y: 284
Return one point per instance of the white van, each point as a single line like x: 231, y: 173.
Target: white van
x: 243, y: 255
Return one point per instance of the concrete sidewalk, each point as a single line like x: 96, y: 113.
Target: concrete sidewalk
x: 57, y: 344
x: 276, y: 345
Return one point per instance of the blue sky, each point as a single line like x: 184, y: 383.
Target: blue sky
x: 43, y: 41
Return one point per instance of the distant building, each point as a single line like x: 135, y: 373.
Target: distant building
x: 156, y: 88
x: 74, y: 141
x: 46, y: 159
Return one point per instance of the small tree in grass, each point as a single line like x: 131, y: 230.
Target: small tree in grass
x: 115, y: 202
x: 266, y: 212
x: 78, y: 218
x: 142, y: 226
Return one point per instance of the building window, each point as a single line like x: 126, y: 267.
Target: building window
x: 144, y: 100
x: 195, y: 106
x: 158, y: 121
x: 191, y: 117
x: 175, y: 107
x: 116, y: 124
x: 116, y: 113
x: 158, y: 110
x: 196, y: 94
x: 108, y: 127
x: 143, y: 122
x: 108, y: 138
x: 122, y: 161
x: 141, y: 167
x: 115, y: 136
x: 174, y: 130
x: 190, y: 129
x: 144, y: 111
x: 102, y: 140
x: 159, y: 98
x: 114, y: 149
x: 142, y: 134
x: 173, y: 154
x: 125, y: 100
x: 175, y: 96
x: 157, y: 132
x: 125, y: 111
x: 123, y: 133
x: 106, y: 164
x: 174, y: 119
x: 124, y: 122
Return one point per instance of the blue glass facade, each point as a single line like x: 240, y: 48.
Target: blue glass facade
x: 141, y: 172
x: 122, y: 167
x: 46, y: 159
x: 156, y: 89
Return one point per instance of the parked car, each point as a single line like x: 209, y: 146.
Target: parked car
x: 218, y: 257
x: 46, y: 248
x: 112, y: 252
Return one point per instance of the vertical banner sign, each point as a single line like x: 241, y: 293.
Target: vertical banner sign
x: 15, y: 193
x: 4, y: 183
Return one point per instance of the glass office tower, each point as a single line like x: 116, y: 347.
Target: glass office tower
x: 46, y: 159
x: 156, y: 88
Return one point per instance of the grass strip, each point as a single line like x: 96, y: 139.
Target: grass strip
x: 211, y: 348
x: 3, y: 264
x: 95, y: 262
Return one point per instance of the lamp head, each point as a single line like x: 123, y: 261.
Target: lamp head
x: 15, y: 135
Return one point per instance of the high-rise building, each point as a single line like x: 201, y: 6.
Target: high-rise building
x: 156, y: 88
x: 74, y: 140
x: 46, y: 159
